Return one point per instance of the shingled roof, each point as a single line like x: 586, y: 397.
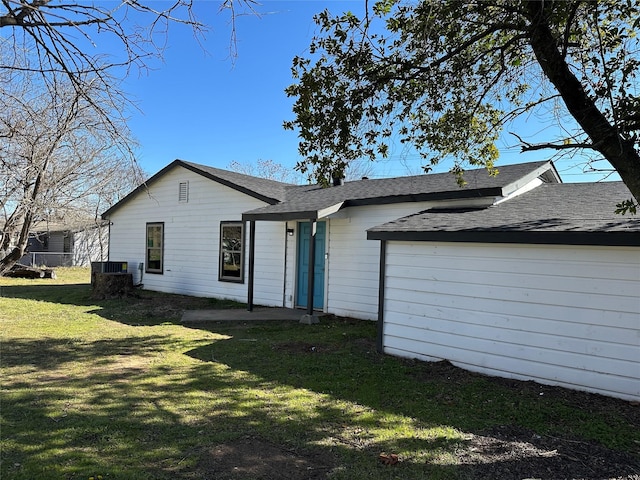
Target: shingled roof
x: 567, y: 213
x: 269, y: 191
x: 313, y: 201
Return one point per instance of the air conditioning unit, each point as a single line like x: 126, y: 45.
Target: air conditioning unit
x: 107, y: 267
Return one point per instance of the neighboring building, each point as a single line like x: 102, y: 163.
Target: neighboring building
x: 198, y: 230
x: 60, y: 244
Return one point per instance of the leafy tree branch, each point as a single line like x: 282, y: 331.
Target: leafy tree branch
x: 447, y: 78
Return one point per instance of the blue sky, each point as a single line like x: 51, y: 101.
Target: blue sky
x: 202, y: 106
x: 199, y: 105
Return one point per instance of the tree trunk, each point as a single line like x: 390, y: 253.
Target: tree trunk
x: 9, y: 260
x: 620, y: 152
x: 23, y: 271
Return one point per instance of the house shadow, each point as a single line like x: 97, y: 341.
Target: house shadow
x: 140, y: 307
x: 68, y: 294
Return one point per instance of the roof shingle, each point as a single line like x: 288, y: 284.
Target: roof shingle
x: 549, y: 209
x: 307, y: 201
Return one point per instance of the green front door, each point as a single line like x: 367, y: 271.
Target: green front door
x: 304, y: 229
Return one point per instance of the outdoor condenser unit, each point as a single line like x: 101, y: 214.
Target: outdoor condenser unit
x: 107, y: 267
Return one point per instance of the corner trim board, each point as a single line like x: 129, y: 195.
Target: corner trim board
x: 381, y: 292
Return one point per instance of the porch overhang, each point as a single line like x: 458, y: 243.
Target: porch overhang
x: 280, y: 213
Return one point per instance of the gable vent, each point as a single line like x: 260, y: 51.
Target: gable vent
x: 183, y: 192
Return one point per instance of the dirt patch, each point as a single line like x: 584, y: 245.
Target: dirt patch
x: 156, y: 307
x: 512, y: 452
x: 256, y: 459
x: 442, y: 371
x: 507, y: 452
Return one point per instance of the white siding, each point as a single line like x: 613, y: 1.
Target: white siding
x: 290, y: 265
x: 269, y: 264
x: 192, y: 237
x: 353, y: 264
x: 560, y: 315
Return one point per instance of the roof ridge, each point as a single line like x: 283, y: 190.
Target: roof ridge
x: 204, y: 167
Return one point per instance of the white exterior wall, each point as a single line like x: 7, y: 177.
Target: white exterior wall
x: 291, y: 265
x: 192, y: 238
x: 559, y: 315
x: 269, y: 264
x: 353, y: 263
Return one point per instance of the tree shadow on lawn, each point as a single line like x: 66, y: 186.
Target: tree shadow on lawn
x: 511, y: 429
x: 69, y: 294
x: 80, y: 408
x: 54, y: 353
x: 107, y: 409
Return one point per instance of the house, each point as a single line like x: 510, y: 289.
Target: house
x: 543, y: 287
x: 198, y: 230
x: 55, y: 244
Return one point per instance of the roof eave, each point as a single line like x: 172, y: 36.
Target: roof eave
x: 547, y: 171
x: 462, y: 193
x: 621, y: 239
x: 280, y: 216
x: 239, y: 188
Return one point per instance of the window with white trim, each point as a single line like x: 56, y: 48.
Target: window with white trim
x: 231, y: 252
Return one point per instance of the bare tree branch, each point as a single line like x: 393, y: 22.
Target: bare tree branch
x: 530, y: 147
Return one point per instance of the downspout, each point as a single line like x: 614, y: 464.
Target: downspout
x: 381, y: 288
x: 252, y: 249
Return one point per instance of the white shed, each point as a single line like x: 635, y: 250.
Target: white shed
x: 543, y: 287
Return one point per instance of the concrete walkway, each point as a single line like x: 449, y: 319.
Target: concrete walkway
x: 242, y: 315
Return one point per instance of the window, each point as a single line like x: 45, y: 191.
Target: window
x: 183, y: 192
x: 155, y: 247
x: 231, y: 252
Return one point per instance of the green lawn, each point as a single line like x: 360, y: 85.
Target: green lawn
x: 121, y: 390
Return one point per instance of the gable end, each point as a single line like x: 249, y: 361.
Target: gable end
x: 227, y: 183
x: 194, y: 169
